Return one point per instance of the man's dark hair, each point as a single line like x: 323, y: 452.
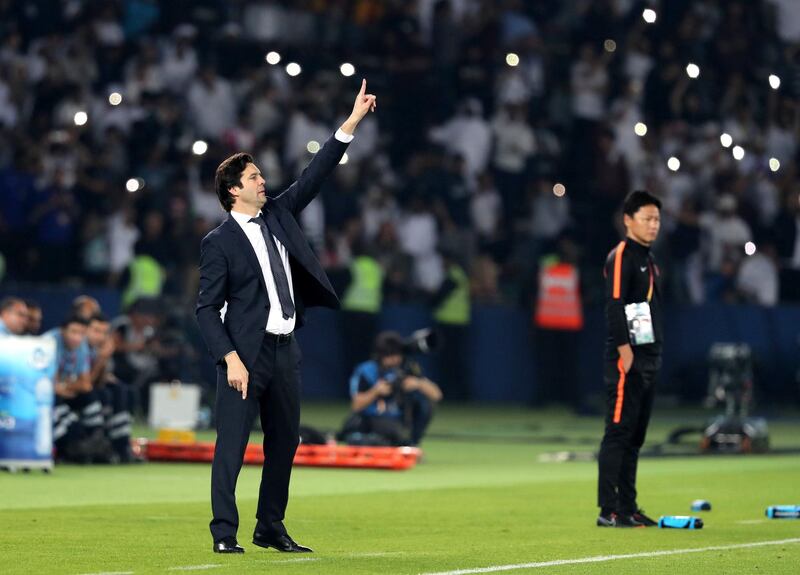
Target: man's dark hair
x: 388, y: 343
x: 638, y: 199
x: 72, y: 318
x: 229, y: 175
x: 9, y: 302
x: 32, y: 304
x: 100, y: 317
x: 81, y: 301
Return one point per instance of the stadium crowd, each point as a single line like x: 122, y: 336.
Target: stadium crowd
x: 506, y: 129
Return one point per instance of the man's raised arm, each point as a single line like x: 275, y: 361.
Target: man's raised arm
x: 300, y: 193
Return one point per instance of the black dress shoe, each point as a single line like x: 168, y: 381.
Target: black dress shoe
x: 282, y: 543
x: 644, y: 519
x: 617, y: 520
x: 623, y: 520
x: 227, y: 545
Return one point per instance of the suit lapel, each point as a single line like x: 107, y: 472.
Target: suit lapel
x: 277, y: 229
x: 300, y: 249
x: 246, y: 247
x: 286, y: 229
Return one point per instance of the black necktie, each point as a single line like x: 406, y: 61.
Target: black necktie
x: 278, y: 271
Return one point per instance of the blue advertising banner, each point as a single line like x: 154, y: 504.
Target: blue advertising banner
x: 27, y: 369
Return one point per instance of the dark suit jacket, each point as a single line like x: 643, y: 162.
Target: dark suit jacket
x: 229, y: 269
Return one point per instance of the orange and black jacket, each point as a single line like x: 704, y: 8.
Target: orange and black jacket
x: 631, y: 276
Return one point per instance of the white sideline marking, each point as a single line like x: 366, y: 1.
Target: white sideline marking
x: 602, y: 558
x: 751, y: 521
x: 274, y: 561
x: 368, y: 555
x: 112, y: 573
x: 195, y: 567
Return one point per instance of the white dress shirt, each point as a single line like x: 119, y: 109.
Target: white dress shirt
x: 275, y: 321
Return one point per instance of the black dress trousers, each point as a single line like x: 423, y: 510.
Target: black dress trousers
x: 274, y: 394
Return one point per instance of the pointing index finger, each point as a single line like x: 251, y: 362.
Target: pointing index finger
x: 363, y: 87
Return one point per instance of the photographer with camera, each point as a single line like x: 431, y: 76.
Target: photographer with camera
x: 392, y: 401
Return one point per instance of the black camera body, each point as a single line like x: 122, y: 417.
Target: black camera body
x: 395, y: 378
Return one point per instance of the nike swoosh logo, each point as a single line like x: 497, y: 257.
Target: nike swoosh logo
x: 644, y: 269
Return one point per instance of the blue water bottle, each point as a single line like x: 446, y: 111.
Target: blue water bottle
x: 701, y: 505
x: 783, y: 512
x: 680, y: 522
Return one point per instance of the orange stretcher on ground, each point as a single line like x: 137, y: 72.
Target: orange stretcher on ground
x: 327, y: 455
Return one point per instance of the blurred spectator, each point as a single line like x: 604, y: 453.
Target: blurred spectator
x: 13, y: 316
x: 787, y: 243
x: 116, y: 397
x: 418, y: 237
x: 33, y: 326
x: 757, y: 280
x: 122, y: 237
x: 726, y: 233
x: 558, y: 321
x: 180, y: 59
x: 55, y: 217
x: 452, y: 312
x: 148, y: 347
x: 146, y: 274
x: 361, y: 304
x: 787, y: 20
x: 589, y: 80
x: 78, y: 431
x: 514, y: 144
x: 468, y: 135
x: 134, y: 343
x: 397, y: 284
x: 549, y: 213
x: 486, y: 210
x: 85, y: 307
x: 684, y: 241
x: 484, y: 280
x: 211, y: 92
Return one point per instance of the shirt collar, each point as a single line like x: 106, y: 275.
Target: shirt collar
x: 636, y: 245
x: 241, y: 218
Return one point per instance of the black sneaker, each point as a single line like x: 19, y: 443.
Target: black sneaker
x: 644, y: 519
x: 609, y: 520
x: 627, y: 521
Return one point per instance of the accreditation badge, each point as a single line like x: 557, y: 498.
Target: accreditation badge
x: 640, y: 323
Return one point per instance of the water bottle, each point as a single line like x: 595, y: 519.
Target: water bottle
x: 783, y: 512
x: 701, y: 505
x: 680, y: 522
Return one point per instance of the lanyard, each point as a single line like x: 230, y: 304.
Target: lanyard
x: 650, y: 289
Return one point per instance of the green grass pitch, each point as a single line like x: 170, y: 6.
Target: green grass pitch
x: 480, y: 499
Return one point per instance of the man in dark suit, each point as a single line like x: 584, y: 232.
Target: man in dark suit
x: 259, y: 266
